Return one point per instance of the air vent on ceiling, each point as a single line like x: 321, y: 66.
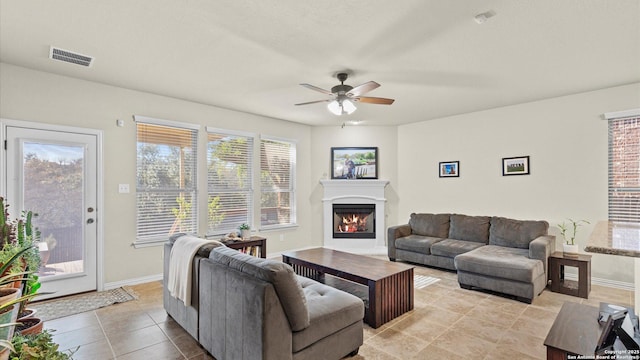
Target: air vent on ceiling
x: 70, y: 57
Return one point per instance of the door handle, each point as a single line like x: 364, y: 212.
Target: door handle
x: 89, y: 221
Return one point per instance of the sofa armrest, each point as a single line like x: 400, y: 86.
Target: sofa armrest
x: 541, y: 248
x: 394, y: 232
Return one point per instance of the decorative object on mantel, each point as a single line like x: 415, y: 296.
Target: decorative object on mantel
x: 570, y: 248
x: 449, y: 168
x: 515, y: 166
x: 354, y: 163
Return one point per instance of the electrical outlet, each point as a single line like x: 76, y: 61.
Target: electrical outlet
x: 123, y: 188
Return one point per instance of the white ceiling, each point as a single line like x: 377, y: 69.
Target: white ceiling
x: 250, y: 55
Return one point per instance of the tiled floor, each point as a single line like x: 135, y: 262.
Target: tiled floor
x: 447, y: 323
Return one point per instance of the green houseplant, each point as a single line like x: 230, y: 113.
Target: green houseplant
x: 245, y: 231
x: 38, y: 346
x: 568, y: 232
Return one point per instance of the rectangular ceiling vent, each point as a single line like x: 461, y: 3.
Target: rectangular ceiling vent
x: 70, y: 57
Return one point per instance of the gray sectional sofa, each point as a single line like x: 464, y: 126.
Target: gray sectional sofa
x: 494, y: 253
x: 245, y: 307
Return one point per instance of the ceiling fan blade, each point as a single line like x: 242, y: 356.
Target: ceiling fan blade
x: 374, y: 100
x: 363, y: 89
x: 314, y: 102
x: 309, y: 86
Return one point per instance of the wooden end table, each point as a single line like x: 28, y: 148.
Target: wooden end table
x: 580, y: 288
x: 255, y: 242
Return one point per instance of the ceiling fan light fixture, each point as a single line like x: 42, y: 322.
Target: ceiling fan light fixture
x: 348, y: 107
x: 341, y: 107
x: 335, y: 107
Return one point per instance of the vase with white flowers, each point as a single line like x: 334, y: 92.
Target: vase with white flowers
x: 568, y: 232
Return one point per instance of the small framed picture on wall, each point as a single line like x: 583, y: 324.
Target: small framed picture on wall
x: 449, y: 168
x: 515, y: 166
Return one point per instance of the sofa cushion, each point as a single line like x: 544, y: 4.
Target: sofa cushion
x: 470, y: 228
x: 451, y: 248
x: 500, y: 262
x: 515, y: 233
x: 330, y: 310
x: 417, y: 243
x: 281, y: 275
x: 435, y: 225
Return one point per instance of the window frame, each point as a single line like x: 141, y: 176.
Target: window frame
x: 293, y: 149
x: 251, y: 179
x: 155, y: 240
x: 616, y: 207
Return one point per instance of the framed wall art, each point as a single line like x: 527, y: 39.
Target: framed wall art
x: 449, y: 168
x: 515, y: 166
x: 354, y: 163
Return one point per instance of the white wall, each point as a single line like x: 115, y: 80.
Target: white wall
x: 323, y: 138
x: 566, y: 139
x: 47, y: 98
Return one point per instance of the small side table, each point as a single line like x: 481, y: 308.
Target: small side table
x: 580, y: 288
x: 256, y: 246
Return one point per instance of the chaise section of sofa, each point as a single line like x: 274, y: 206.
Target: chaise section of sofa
x: 494, y: 253
x: 245, y: 307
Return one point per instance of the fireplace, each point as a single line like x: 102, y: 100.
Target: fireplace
x: 354, y: 221
x: 353, y: 200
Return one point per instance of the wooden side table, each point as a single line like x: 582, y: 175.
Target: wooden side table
x: 256, y: 246
x: 580, y: 288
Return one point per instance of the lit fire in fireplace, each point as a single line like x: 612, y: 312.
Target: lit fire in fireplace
x: 353, y: 223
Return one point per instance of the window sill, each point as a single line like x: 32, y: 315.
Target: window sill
x: 278, y: 227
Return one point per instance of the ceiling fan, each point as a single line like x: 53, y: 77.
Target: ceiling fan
x: 343, y: 96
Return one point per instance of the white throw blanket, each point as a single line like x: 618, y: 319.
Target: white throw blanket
x: 182, y: 253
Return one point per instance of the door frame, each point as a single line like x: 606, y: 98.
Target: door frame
x: 4, y: 123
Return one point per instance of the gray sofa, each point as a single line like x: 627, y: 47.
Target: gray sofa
x: 253, y: 308
x: 494, y: 253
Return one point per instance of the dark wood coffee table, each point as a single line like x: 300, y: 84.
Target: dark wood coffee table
x: 389, y: 285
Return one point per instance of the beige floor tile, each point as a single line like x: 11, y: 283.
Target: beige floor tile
x: 397, y: 343
x: 525, y: 343
x: 436, y: 315
x: 73, y: 322
x: 73, y: 339
x: 505, y: 352
x: 126, y: 342
x: 486, y: 330
x: 160, y: 351
x: 415, y: 325
x: 369, y: 352
x: 96, y: 350
x: 433, y: 351
x: 187, y: 345
x: 471, y: 348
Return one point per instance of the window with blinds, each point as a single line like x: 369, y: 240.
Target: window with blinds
x: 229, y: 179
x: 624, y: 169
x: 277, y: 183
x: 166, y: 180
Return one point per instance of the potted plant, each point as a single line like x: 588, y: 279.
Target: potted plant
x: 245, y: 231
x: 38, y: 346
x: 570, y: 248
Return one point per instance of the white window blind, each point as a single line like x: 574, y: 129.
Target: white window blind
x: 624, y: 169
x: 166, y: 181
x: 277, y: 183
x: 229, y: 179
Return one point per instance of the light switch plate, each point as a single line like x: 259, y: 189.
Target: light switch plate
x: 123, y: 188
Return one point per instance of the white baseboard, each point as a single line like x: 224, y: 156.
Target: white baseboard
x: 130, y: 282
x: 604, y: 282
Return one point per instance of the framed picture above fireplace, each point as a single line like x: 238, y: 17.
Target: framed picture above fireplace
x: 354, y: 162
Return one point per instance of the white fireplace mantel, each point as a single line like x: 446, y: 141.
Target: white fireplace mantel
x: 354, y: 192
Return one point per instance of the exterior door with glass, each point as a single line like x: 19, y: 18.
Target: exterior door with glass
x: 54, y: 174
